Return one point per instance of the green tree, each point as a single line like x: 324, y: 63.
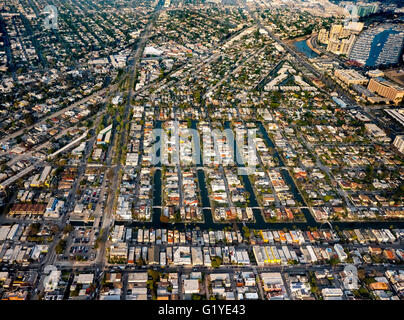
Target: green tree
x: 216, y: 262
x: 61, y: 246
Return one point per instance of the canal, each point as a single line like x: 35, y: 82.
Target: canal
x: 246, y: 181
x: 259, y: 221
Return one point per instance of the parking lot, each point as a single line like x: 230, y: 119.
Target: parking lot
x: 80, y: 245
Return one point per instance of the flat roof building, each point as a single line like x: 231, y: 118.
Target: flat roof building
x: 387, y: 89
x: 350, y: 76
x: 399, y: 143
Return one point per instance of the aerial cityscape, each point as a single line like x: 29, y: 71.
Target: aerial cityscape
x: 201, y: 150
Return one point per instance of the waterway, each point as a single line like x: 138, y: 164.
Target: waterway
x: 203, y: 190
x: 157, y: 188
x: 247, y: 184
x: 302, y: 47
x: 286, y: 176
x: 259, y: 220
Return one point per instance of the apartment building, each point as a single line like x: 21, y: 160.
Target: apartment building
x: 387, y: 89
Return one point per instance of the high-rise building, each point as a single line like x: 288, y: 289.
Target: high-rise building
x: 335, y: 32
x: 345, y: 32
x: 343, y: 46
x: 341, y: 38
x: 347, y: 45
x: 365, y: 9
x: 333, y: 45
x: 323, y: 36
